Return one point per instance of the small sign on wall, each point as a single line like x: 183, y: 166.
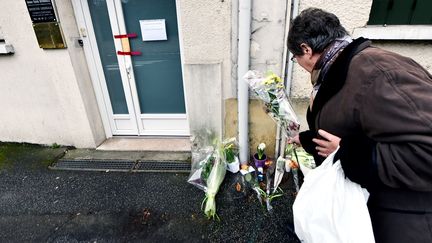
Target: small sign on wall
x: 45, y: 24
x: 153, y: 29
x: 41, y: 11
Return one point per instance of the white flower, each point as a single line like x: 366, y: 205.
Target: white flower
x: 260, y: 150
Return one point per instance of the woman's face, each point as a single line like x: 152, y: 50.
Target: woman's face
x: 308, y: 59
x: 302, y: 60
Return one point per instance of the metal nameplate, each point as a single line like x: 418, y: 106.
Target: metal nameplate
x: 49, y: 35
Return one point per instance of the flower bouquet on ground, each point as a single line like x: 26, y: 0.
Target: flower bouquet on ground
x: 208, y: 170
x: 214, y: 180
x: 270, y: 89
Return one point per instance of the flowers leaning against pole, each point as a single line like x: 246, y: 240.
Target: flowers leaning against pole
x: 270, y: 89
x: 273, y: 84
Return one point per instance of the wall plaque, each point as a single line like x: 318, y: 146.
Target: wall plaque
x: 41, y: 11
x: 49, y: 35
x: 45, y: 24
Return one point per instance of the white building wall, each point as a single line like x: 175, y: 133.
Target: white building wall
x: 52, y: 93
x: 355, y: 14
x: 205, y: 31
x: 43, y: 99
x: 268, y: 31
x: 46, y: 96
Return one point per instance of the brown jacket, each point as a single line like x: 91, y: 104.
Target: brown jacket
x: 388, y: 98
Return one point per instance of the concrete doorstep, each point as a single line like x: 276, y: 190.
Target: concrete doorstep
x: 130, y: 155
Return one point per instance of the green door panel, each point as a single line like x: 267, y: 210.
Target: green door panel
x: 104, y: 38
x: 157, y: 71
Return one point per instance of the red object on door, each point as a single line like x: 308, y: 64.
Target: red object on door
x: 129, y: 53
x: 125, y: 45
x: 131, y: 35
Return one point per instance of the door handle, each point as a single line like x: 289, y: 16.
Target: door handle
x: 128, y: 70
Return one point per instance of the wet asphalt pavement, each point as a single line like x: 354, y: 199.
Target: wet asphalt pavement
x: 42, y: 205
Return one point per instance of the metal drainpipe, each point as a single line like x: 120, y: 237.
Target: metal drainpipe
x: 287, y: 71
x: 244, y: 35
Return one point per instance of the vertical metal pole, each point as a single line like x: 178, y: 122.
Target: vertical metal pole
x: 243, y: 66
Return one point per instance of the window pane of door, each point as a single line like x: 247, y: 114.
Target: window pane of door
x: 157, y: 71
x: 104, y: 38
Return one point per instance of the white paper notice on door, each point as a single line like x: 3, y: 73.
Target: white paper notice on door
x: 153, y: 29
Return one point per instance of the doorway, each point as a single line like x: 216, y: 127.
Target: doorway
x: 133, y: 51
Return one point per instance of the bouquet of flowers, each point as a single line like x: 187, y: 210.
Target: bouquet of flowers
x: 208, y: 172
x: 214, y: 180
x: 271, y: 90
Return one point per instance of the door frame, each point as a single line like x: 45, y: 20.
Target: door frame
x: 94, y: 64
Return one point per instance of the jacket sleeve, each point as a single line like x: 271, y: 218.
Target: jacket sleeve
x: 309, y: 146
x: 396, y: 112
x: 306, y: 141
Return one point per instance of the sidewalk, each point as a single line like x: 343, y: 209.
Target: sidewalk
x: 42, y: 205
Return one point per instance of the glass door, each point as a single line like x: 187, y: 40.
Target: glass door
x: 140, y: 64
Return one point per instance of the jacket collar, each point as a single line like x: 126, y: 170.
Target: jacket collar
x: 335, y: 78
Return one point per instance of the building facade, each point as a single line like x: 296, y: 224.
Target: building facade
x: 165, y: 68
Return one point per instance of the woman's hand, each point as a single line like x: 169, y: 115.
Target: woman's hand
x: 295, y: 139
x: 327, y: 145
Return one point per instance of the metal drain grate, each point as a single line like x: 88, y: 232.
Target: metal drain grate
x: 123, y: 165
x: 163, y: 166
x: 95, y: 165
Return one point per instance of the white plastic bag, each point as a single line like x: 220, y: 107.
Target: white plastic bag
x: 331, y: 208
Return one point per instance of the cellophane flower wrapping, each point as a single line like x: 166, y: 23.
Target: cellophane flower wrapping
x: 270, y: 89
x: 214, y: 181
x: 208, y: 172
x: 299, y: 158
x: 305, y: 161
x: 203, y: 160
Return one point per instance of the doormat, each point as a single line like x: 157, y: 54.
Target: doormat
x: 122, y: 165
